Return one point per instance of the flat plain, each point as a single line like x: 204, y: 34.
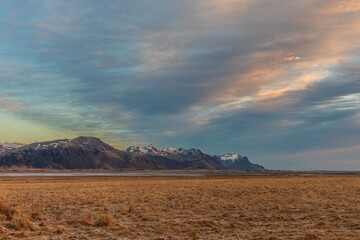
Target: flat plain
x: 206, y: 207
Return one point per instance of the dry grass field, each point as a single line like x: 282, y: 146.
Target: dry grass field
x: 180, y: 208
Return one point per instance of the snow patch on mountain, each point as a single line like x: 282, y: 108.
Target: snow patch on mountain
x: 54, y: 144
x: 153, y: 150
x: 229, y: 157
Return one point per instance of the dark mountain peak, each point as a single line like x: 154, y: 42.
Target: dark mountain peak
x: 87, y: 139
x: 194, y: 151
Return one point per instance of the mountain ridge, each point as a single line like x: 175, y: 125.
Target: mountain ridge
x: 227, y: 161
x: 91, y: 153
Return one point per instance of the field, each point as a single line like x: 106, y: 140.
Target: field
x: 212, y: 207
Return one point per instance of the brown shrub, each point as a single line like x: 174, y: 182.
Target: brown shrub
x: 131, y: 208
x: 85, y: 219
x: 7, y: 210
x: 21, y: 222
x: 60, y: 229
x: 104, y: 220
x: 310, y: 236
x: 36, y: 215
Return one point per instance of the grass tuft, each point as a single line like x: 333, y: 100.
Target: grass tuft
x: 104, y: 220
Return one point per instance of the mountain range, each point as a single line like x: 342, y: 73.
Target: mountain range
x: 180, y: 158
x: 92, y: 153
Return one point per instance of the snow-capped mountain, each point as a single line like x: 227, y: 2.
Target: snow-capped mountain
x: 92, y: 153
x: 178, y: 158
x: 237, y: 162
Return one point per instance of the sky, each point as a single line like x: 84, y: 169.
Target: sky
x: 277, y: 81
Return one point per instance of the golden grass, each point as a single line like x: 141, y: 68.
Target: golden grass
x: 180, y: 208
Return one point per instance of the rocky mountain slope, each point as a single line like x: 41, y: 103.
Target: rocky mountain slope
x: 78, y: 153
x: 180, y: 158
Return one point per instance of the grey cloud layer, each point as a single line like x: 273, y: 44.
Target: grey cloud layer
x: 268, y: 78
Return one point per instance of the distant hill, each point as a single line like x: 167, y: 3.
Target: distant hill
x: 180, y: 158
x: 78, y: 153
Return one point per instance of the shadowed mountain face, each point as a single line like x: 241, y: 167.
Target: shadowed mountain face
x: 78, y: 153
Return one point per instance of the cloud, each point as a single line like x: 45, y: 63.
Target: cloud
x: 9, y: 104
x: 267, y: 78
x: 292, y: 58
